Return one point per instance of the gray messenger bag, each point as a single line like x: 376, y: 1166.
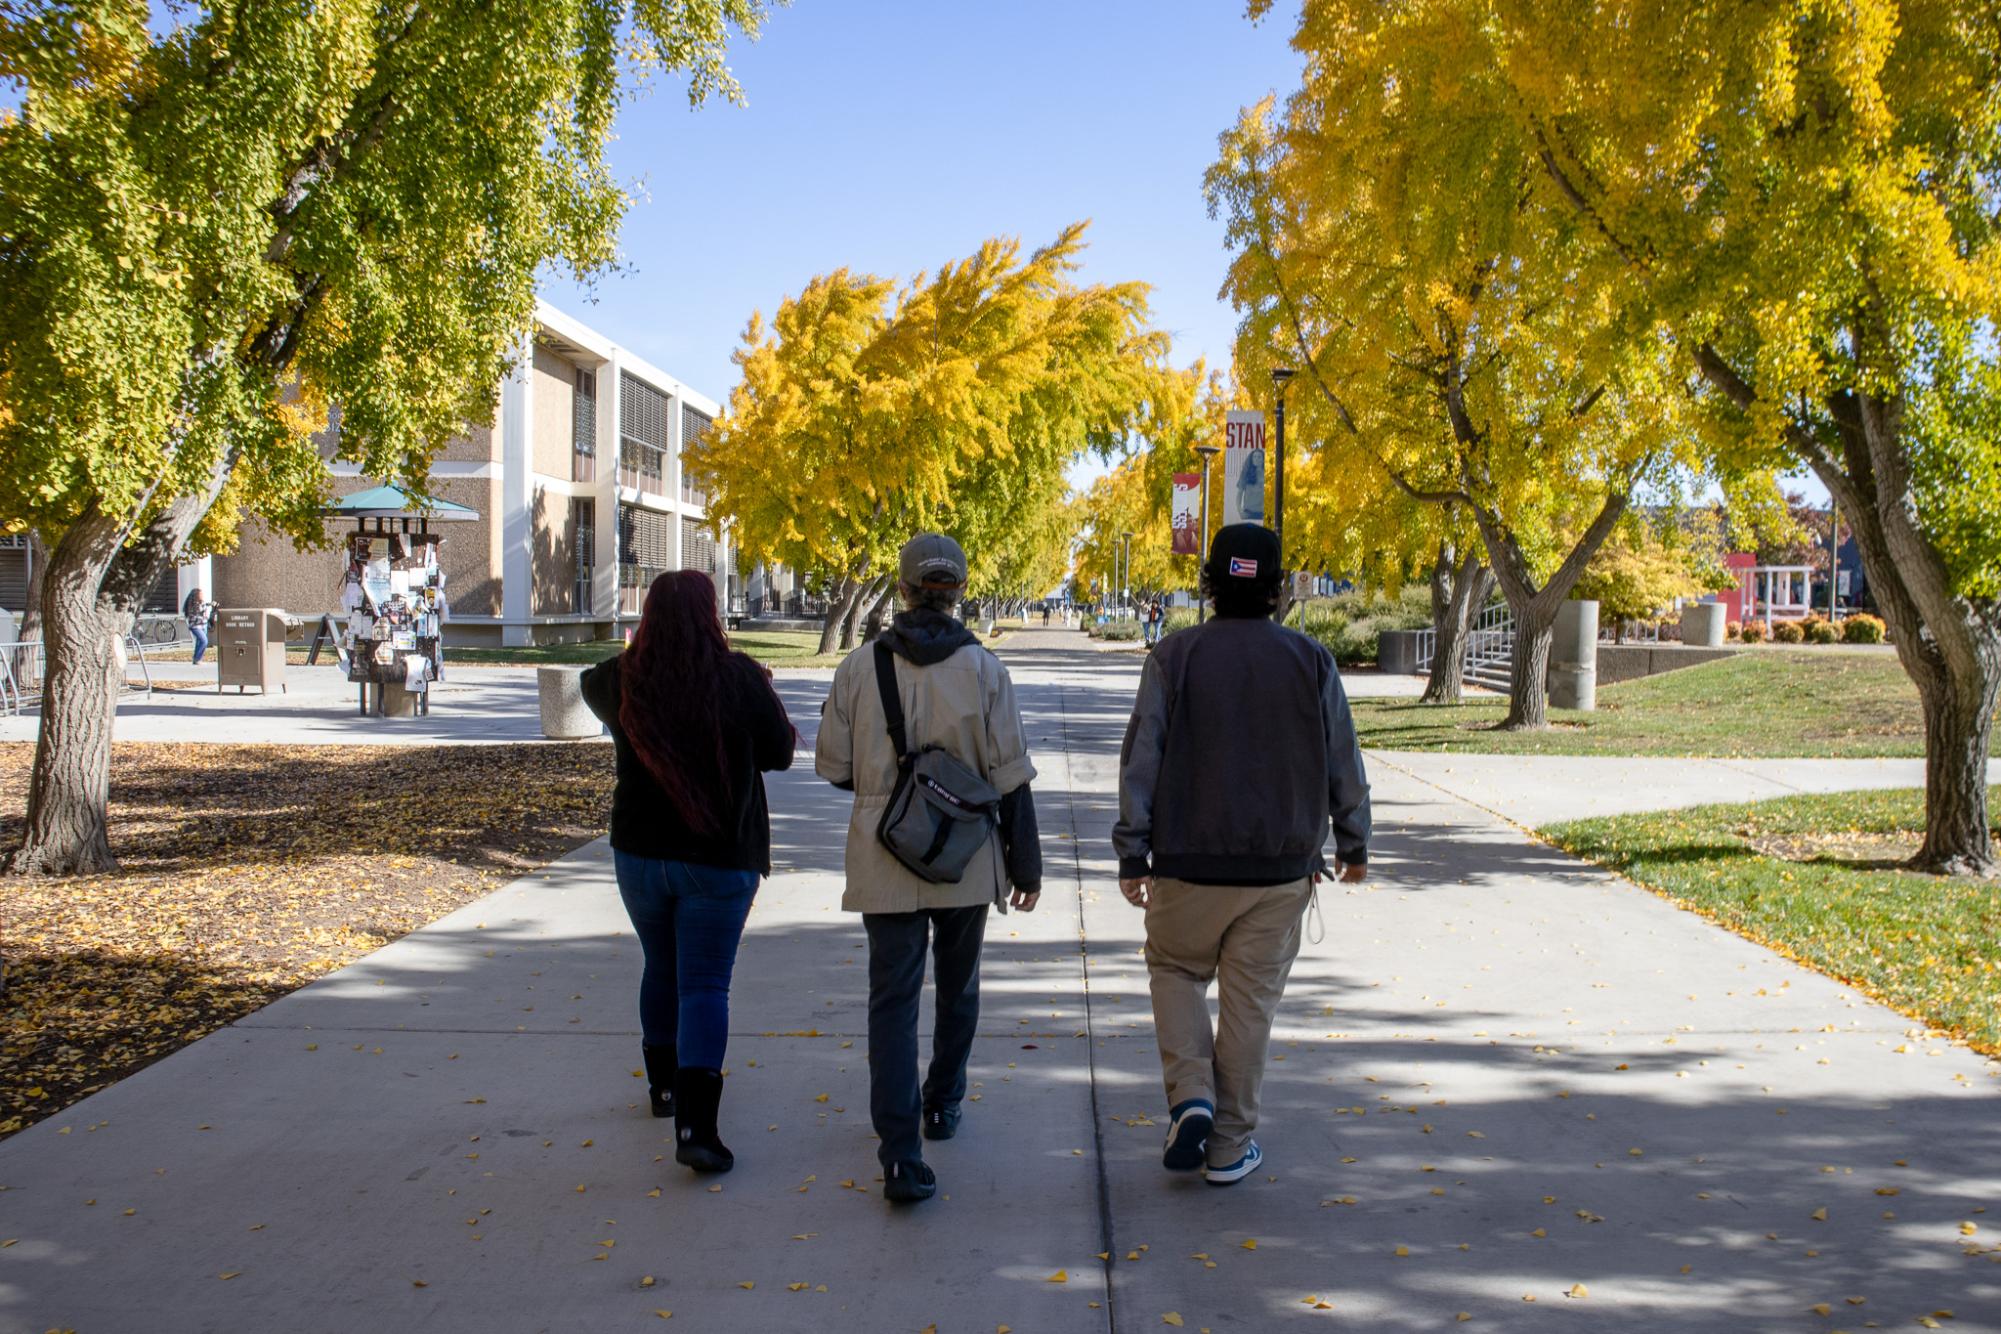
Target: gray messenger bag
x: 940, y: 813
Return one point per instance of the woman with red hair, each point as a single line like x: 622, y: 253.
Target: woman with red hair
x: 694, y: 727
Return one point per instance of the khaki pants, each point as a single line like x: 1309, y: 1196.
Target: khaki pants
x: 1246, y: 939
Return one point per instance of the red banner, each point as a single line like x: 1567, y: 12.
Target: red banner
x: 1186, y: 513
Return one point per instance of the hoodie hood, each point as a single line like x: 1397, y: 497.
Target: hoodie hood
x: 924, y: 637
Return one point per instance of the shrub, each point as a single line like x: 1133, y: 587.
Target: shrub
x: 1753, y: 632
x: 1733, y: 629
x: 1117, y: 631
x: 1788, y: 632
x: 1820, y: 630
x: 1863, y: 628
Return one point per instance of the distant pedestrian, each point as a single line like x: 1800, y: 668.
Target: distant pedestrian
x: 1045, y: 615
x: 954, y: 714
x: 1156, y: 616
x: 199, y: 613
x: 1239, y: 755
x: 694, y: 728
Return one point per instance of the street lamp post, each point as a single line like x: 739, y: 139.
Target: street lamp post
x: 1202, y: 553
x: 1127, y: 538
x: 1279, y: 376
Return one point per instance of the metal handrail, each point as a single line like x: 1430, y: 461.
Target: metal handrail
x: 1490, y: 639
x: 20, y: 662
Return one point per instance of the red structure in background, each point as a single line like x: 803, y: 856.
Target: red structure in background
x: 1739, y: 598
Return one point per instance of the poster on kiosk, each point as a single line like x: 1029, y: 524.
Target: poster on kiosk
x: 1185, y: 513
x: 1244, y: 467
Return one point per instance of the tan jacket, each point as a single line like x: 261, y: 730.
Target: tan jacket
x: 965, y: 704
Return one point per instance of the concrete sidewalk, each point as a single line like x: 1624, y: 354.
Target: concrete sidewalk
x: 1500, y: 1075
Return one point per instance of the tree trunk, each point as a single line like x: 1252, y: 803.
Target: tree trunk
x: 845, y: 594
x: 69, y: 791
x: 879, y: 610
x: 1959, y: 721
x: 1457, y: 595
x: 1528, y: 674
x: 851, y: 624
x: 27, y: 661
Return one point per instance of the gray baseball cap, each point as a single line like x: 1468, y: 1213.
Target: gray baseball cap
x: 934, y: 559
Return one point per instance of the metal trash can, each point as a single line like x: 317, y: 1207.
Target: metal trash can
x: 250, y: 648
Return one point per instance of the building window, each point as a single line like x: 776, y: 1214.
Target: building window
x: 694, y: 425
x: 584, y: 546
x: 584, y: 427
x: 642, y: 451
x: 645, y: 551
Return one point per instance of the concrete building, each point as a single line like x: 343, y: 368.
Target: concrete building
x: 580, y: 492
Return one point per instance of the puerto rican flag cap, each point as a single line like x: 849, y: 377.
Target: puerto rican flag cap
x: 1244, y: 551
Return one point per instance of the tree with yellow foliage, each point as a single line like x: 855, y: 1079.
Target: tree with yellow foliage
x: 1805, y: 194
x: 868, y: 411
x: 216, y: 221
x: 1487, y: 370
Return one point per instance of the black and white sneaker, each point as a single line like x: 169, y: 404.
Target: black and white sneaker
x: 908, y: 1183
x: 1253, y: 1159
x: 941, y: 1122
x: 1187, y: 1133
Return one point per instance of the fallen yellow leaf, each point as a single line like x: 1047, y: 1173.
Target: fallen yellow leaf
x: 1249, y: 1243
x: 1819, y: 1215
x: 1578, y: 1290
x: 748, y: 1284
x: 1403, y: 1252
x: 1060, y: 1276
x: 1171, y: 1318
x: 646, y: 1282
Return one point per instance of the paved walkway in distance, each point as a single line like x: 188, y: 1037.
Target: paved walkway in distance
x: 1500, y: 1078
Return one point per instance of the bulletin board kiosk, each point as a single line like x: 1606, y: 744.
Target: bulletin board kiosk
x: 393, y: 597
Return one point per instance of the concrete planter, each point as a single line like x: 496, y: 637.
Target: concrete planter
x: 1703, y: 624
x: 565, y: 716
x: 1573, y: 657
x: 1396, y: 651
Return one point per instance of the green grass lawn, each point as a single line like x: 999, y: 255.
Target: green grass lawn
x: 1815, y: 878
x: 1775, y: 702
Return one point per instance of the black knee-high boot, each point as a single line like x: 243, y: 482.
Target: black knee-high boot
x: 660, y: 1069
x: 698, y: 1097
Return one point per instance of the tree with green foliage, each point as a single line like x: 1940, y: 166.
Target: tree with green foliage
x: 213, y: 231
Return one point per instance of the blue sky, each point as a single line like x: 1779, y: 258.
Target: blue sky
x: 891, y: 135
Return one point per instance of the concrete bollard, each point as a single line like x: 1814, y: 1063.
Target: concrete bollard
x: 1703, y: 624
x: 1573, y: 657
x: 565, y: 716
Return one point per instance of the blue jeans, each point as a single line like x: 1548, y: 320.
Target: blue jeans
x: 689, y: 919
x: 201, y: 642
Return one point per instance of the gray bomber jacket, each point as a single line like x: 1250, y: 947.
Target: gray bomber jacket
x: 1239, y: 756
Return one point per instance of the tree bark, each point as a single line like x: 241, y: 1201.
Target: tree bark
x: 1528, y: 673
x: 845, y: 595
x: 1535, y: 608
x: 1959, y: 721
x: 69, y: 791
x: 27, y: 668
x: 851, y: 624
x: 1458, y: 592
x: 879, y: 610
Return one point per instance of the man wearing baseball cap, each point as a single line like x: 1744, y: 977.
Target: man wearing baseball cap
x: 1238, y: 760
x: 956, y: 695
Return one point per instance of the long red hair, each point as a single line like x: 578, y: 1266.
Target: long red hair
x: 673, y: 680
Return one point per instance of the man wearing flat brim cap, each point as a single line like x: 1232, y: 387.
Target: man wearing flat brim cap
x: 1239, y: 760
x: 953, y: 694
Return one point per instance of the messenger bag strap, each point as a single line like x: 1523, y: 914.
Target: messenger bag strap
x: 892, y: 706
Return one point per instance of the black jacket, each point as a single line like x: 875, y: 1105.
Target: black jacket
x: 645, y: 824
x: 1240, y: 756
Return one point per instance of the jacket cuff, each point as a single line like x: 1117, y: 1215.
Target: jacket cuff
x: 1134, y: 868
x: 1352, y: 856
